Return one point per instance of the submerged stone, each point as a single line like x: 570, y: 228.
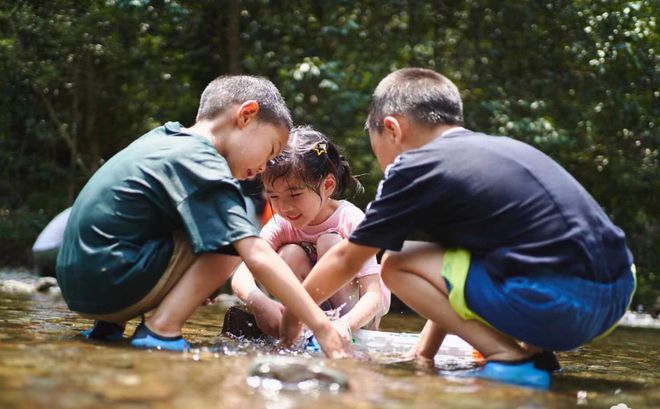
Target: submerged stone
x: 281, y: 373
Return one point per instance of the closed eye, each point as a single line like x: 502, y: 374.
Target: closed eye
x: 295, y: 193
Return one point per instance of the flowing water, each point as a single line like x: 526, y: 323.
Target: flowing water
x: 45, y: 363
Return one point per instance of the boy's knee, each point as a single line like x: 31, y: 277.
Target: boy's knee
x: 389, y: 267
x: 388, y: 277
x: 391, y: 260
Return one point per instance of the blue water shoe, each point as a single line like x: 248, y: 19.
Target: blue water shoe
x: 523, y: 373
x: 104, y: 331
x: 312, y: 345
x: 147, y: 339
x: 533, y: 372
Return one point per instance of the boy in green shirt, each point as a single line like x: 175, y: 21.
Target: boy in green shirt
x: 160, y: 225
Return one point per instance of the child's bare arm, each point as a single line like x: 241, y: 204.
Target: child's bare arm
x: 267, y: 312
x: 369, y: 304
x: 429, y: 342
x: 336, y: 268
x: 244, y: 286
x: 271, y: 271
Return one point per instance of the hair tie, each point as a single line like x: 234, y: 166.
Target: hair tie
x: 320, y: 148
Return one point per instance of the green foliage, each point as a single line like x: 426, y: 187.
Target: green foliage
x: 577, y: 79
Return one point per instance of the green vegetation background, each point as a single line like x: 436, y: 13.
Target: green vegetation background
x: 577, y: 79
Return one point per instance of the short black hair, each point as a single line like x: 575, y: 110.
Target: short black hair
x: 424, y: 95
x: 310, y: 156
x: 228, y: 90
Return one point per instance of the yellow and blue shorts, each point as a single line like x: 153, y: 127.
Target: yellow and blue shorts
x: 551, y: 311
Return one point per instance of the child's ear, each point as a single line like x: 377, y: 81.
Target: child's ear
x: 246, y: 113
x: 329, y: 185
x: 393, y: 129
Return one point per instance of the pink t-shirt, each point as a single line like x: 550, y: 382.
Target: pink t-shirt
x: 278, y: 232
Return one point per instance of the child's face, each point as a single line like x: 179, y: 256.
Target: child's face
x: 297, y: 203
x: 257, y: 143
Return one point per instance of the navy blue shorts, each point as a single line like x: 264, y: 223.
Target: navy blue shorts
x: 550, y: 311
x: 553, y: 311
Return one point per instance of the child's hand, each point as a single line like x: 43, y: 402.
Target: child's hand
x: 290, y: 329
x: 332, y: 343
x: 415, y: 354
x: 343, y: 329
x: 419, y: 360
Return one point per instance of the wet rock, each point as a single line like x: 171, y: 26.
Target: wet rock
x: 280, y: 373
x: 639, y: 320
x: 241, y: 324
x: 16, y: 287
x: 45, y: 284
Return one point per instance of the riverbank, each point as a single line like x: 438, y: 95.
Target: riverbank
x: 24, y: 282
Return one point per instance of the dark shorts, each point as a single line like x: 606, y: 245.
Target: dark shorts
x: 549, y: 311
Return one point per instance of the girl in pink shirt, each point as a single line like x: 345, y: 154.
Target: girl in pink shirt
x: 304, y: 185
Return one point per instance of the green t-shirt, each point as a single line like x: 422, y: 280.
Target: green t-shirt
x: 118, y: 240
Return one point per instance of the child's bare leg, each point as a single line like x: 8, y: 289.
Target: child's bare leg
x: 348, y: 294
x: 297, y: 259
x: 531, y: 348
x: 205, y: 275
x: 414, y: 275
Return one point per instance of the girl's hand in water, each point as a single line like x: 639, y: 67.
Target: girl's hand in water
x: 343, y: 329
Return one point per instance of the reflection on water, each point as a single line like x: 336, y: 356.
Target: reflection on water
x: 44, y: 363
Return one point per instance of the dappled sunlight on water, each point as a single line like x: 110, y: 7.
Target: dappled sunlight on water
x: 45, y: 363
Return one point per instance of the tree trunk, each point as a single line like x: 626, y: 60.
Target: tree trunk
x: 91, y: 135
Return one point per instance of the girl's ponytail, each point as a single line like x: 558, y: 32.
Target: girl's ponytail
x: 346, y: 182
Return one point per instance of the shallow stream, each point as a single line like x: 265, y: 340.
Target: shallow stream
x: 45, y: 363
